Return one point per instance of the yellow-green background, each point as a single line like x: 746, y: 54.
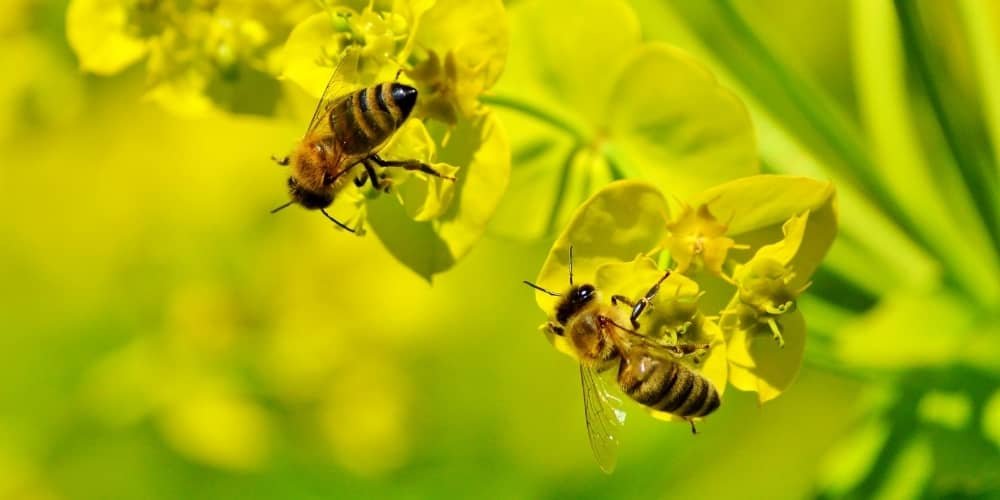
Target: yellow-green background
x: 162, y: 336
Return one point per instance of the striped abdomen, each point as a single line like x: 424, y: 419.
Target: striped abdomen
x: 363, y: 120
x: 666, y: 385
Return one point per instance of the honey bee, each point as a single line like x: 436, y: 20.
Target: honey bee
x: 347, y: 130
x: 649, y: 372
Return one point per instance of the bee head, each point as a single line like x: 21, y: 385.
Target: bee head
x: 577, y: 298
x: 309, y: 199
x: 405, y: 97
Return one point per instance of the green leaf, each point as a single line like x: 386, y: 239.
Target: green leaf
x: 851, y: 459
x: 982, y: 27
x: 991, y: 418
x: 914, y: 329
x: 943, y: 216
x: 97, y: 31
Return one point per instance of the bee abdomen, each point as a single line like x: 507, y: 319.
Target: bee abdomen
x: 692, y: 395
x: 649, y: 388
x: 669, y: 387
x: 365, y: 119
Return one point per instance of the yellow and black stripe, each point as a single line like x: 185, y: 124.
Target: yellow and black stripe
x: 363, y: 120
x: 669, y: 387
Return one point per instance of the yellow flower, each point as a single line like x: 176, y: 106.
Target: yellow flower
x: 625, y: 219
x: 764, y: 330
x: 672, y: 317
x: 451, y: 52
x: 202, y: 55
x: 697, y: 239
x: 460, y: 50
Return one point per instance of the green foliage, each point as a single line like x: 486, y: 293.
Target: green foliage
x: 911, y: 141
x: 600, y: 105
x: 159, y: 326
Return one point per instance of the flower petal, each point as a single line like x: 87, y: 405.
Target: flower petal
x: 622, y: 220
x: 430, y: 247
x: 671, y: 120
x: 756, y: 363
x: 756, y: 208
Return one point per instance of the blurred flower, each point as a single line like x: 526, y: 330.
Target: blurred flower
x: 183, y: 381
x: 201, y: 55
x: 216, y: 426
x: 364, y: 417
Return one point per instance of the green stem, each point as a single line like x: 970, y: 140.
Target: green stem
x: 620, y: 169
x: 578, y: 134
x: 836, y: 131
x: 975, y: 174
x: 833, y: 129
x: 840, y: 135
x: 567, y: 168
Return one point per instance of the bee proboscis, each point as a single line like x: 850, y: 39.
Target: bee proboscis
x: 648, y: 371
x: 346, y: 131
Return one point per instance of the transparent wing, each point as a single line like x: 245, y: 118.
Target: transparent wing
x: 340, y: 84
x: 604, y: 418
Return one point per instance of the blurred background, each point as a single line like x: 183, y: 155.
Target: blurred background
x: 162, y: 336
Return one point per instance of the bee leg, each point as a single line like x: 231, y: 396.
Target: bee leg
x: 283, y: 161
x: 615, y: 299
x: 410, y: 165
x: 554, y: 328
x: 681, y: 350
x: 372, y: 176
x: 360, y: 180
x: 643, y: 303
x: 693, y: 429
x: 337, y: 222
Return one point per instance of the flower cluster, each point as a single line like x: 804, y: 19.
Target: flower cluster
x: 228, y: 55
x: 749, y: 318
x: 452, y: 52
x: 200, y: 55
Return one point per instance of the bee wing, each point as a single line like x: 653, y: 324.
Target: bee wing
x: 604, y: 418
x: 337, y: 87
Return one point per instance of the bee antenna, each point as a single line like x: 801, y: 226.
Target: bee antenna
x: 571, y: 265
x: 282, y: 207
x: 536, y: 287
x: 335, y: 221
